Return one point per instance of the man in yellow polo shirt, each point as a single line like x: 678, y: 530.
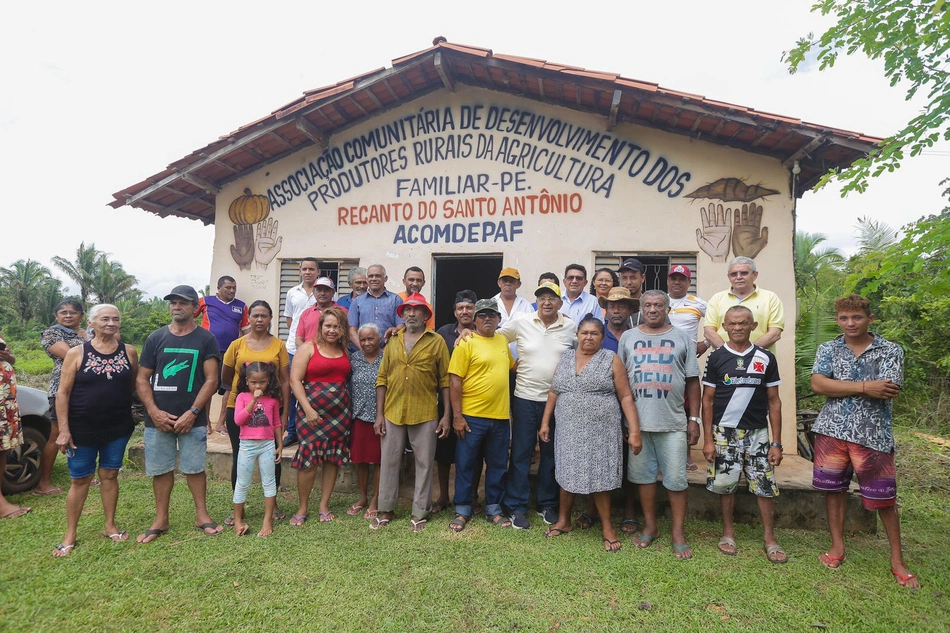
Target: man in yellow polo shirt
x: 766, y: 307
x: 478, y: 385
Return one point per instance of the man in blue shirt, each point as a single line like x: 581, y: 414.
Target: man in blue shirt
x: 377, y: 305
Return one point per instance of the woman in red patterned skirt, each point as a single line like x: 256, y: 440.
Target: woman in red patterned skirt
x: 318, y: 378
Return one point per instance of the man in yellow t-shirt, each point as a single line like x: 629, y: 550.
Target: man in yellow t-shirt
x: 478, y: 386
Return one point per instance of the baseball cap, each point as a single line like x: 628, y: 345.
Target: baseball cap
x: 326, y: 282
x: 183, y: 292
x: 550, y: 286
x: 487, y: 305
x: 680, y: 269
x: 632, y: 264
x: 415, y: 299
x: 510, y: 272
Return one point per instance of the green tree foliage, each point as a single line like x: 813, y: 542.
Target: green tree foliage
x: 818, y: 278
x: 909, y: 284
x: 82, y: 270
x: 111, y: 283
x: 30, y: 289
x: 912, y: 38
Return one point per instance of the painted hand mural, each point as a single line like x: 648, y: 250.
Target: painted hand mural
x: 242, y: 251
x: 268, y: 243
x: 714, y: 237
x: 747, y: 238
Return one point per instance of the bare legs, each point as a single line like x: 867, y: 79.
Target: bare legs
x: 305, y: 479
x: 362, y: 479
x: 45, y: 484
x: 836, y: 504
x: 328, y: 472
x: 767, y: 514
x: 7, y: 509
x: 162, y: 487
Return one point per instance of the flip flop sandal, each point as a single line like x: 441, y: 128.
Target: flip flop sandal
x: 297, y: 521
x: 242, y: 531
x: 210, y: 525
x: 355, y: 509
x: 370, y: 514
x: 500, y: 520
x: 417, y: 526
x: 327, y: 517
x: 20, y: 511
x: 586, y: 521
x: 458, y: 523
x: 645, y: 540
x: 118, y: 537
x: 438, y: 508
x: 772, y: 551
x: 229, y: 522
x: 832, y: 559
x: 902, y: 580
x: 679, y: 549
x: 729, y: 542
x: 62, y: 547
x: 630, y: 526
x: 378, y: 522
x: 555, y: 532
x: 612, y: 547
x: 48, y: 493
x: 151, y: 532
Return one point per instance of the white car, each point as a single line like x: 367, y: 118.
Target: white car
x: 23, y: 462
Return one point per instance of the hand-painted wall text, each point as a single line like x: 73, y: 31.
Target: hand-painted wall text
x: 525, y: 141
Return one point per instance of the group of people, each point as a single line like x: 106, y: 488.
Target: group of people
x: 607, y: 380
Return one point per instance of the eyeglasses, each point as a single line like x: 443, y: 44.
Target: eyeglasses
x: 485, y: 315
x: 547, y: 299
x: 574, y: 278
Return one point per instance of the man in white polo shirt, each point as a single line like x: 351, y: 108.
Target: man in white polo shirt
x: 299, y: 298
x: 541, y: 339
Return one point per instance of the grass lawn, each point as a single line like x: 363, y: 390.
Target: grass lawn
x: 343, y: 576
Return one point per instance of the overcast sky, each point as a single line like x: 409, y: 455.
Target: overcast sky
x: 98, y: 96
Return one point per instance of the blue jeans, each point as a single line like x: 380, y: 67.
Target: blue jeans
x: 292, y: 417
x: 82, y: 459
x: 260, y: 452
x: 492, y: 435
x: 526, y: 420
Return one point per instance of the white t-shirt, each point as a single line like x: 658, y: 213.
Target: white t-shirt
x: 687, y: 314
x: 297, y: 301
x: 539, y: 350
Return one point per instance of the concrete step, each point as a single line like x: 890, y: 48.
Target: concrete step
x: 798, y: 506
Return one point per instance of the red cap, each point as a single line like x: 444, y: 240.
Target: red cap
x: 680, y: 269
x: 415, y: 299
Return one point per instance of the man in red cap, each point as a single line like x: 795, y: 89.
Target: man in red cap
x: 407, y: 409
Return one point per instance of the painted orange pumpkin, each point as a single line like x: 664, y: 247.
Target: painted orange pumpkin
x: 249, y: 208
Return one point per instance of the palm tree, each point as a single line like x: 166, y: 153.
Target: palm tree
x: 812, y: 262
x: 25, y: 282
x: 83, y: 269
x: 111, y: 283
x: 873, y: 236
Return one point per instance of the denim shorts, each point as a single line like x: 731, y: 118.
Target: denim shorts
x: 164, y: 448
x: 663, y: 451
x: 82, y: 459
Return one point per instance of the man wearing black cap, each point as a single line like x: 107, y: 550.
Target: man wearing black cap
x: 632, y: 276
x: 178, y: 374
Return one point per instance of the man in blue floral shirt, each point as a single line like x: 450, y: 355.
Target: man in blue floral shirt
x: 860, y: 373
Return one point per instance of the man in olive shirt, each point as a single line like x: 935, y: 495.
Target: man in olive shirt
x: 406, y: 410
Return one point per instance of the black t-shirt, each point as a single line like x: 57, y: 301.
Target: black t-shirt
x: 741, y: 382
x: 177, y: 364
x: 449, y: 333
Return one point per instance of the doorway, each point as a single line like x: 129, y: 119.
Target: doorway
x: 452, y: 273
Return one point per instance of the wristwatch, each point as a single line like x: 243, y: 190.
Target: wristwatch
x: 776, y: 445
x: 195, y: 410
x: 695, y: 419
